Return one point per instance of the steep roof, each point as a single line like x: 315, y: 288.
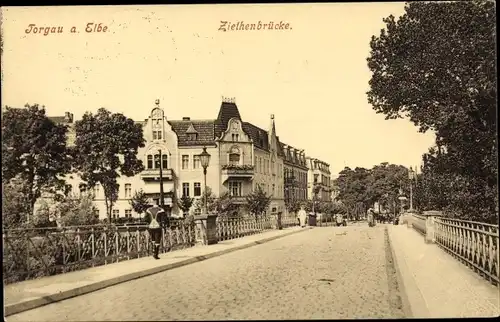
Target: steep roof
x: 258, y: 135
x: 204, y: 128
x: 227, y: 111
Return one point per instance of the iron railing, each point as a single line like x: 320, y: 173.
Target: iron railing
x: 475, y: 244
x: 36, y: 252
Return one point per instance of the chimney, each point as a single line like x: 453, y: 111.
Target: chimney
x: 68, y: 117
x: 186, y: 118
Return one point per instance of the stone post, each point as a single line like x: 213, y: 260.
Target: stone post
x: 207, y: 225
x: 430, y: 230
x: 279, y: 224
x: 409, y: 220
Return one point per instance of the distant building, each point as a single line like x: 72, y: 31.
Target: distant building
x: 318, y: 176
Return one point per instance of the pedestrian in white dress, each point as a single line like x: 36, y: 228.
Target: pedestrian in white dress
x: 302, y: 216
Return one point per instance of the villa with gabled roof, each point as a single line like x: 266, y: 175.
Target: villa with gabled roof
x: 243, y: 157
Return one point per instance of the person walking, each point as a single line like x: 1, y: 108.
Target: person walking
x: 156, y: 214
x: 302, y: 216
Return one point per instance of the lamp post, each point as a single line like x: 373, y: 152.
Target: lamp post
x: 162, y: 197
x: 410, y: 177
x: 205, y: 161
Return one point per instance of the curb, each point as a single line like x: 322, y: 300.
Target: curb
x: 19, y: 307
x: 409, y: 284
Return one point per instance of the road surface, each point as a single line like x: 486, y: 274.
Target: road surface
x: 324, y: 273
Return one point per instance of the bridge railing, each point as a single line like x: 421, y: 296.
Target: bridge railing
x: 237, y: 227
x: 35, y: 252
x: 475, y: 244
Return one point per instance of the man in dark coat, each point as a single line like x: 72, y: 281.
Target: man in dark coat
x: 157, y: 216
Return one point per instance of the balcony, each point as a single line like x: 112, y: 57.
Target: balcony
x: 237, y: 171
x: 154, y: 175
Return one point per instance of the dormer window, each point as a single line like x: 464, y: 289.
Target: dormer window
x: 192, y: 134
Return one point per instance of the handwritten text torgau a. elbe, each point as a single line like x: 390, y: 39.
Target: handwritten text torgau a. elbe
x: 91, y: 27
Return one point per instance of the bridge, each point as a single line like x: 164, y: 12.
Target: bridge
x: 424, y: 267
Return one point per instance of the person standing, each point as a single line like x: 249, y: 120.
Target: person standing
x: 156, y: 214
x: 302, y: 216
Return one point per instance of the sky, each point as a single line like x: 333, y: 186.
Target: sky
x: 313, y: 76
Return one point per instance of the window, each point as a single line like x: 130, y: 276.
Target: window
x: 157, y: 161
x: 255, y: 162
x: 315, y: 178
x: 82, y: 187
x: 197, y: 211
x: 235, y: 188
x: 164, y: 161
x: 185, y: 189
x: 260, y: 165
x: 150, y: 162
x: 157, y: 135
x: 197, y: 189
x: 128, y: 190
x: 234, y: 159
x: 185, y: 162
x: 128, y: 213
x: 192, y: 136
x: 97, y: 213
x: 96, y: 189
x: 235, y: 137
x: 196, y: 162
x: 272, y: 191
x: 116, y: 213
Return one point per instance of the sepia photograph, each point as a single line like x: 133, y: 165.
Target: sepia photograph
x: 250, y: 161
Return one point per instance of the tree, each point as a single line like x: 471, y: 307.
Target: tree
x: 76, y: 211
x: 185, y: 203
x: 34, y: 150
x: 258, y: 201
x: 436, y: 65
x: 106, y: 147
x: 15, y: 204
x: 139, y: 202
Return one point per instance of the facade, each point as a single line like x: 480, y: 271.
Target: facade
x: 318, y: 176
x: 295, y: 174
x: 243, y: 157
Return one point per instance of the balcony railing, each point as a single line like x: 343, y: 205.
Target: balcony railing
x: 154, y: 174
x: 238, y: 170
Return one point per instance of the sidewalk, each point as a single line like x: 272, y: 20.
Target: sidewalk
x: 437, y: 285
x: 23, y: 296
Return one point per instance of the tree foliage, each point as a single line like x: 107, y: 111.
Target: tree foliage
x: 185, y: 203
x: 34, y: 150
x: 223, y: 206
x: 139, y: 202
x: 361, y: 188
x: 15, y: 204
x: 436, y: 65
x: 106, y: 147
x: 258, y: 201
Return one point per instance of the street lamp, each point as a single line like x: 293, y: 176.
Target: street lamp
x: 205, y: 161
x: 411, y: 175
x: 162, y: 197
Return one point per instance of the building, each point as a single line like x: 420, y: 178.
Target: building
x: 243, y: 157
x: 319, y: 178
x: 295, y: 173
